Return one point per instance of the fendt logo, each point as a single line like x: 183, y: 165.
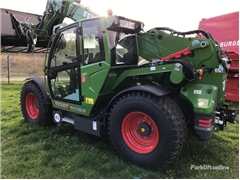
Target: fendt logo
x: 61, y: 105
x: 229, y: 43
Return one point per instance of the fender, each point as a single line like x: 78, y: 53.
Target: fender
x: 39, y: 80
x: 153, y: 89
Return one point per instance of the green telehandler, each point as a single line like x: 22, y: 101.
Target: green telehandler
x: 108, y: 77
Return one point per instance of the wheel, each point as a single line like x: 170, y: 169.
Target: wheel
x: 147, y: 130
x: 34, y: 108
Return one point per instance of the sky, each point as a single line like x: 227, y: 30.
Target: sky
x: 181, y: 15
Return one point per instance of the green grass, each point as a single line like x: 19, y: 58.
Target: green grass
x: 30, y: 151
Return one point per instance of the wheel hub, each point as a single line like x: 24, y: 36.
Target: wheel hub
x: 144, y: 129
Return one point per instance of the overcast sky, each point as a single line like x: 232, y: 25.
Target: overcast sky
x: 182, y: 15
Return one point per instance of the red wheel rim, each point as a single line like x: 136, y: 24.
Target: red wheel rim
x: 32, y: 106
x: 139, y: 143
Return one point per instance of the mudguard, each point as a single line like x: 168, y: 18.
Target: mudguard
x: 153, y: 89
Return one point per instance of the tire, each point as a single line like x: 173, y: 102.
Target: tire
x: 34, y: 108
x: 147, y: 130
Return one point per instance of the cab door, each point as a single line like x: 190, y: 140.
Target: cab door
x: 64, y: 66
x: 96, y: 66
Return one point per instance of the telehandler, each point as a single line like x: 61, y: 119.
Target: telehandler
x: 107, y: 76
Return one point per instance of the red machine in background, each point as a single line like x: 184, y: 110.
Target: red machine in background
x: 225, y: 30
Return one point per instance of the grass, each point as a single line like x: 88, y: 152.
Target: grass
x: 30, y: 151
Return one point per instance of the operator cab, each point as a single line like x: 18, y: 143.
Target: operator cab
x: 84, y: 51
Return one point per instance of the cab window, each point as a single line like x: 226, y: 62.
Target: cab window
x: 123, y: 48
x: 93, y: 41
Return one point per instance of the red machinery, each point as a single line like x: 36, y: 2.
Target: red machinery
x: 225, y: 30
